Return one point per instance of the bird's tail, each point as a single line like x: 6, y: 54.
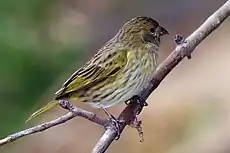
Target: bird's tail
x: 47, y: 107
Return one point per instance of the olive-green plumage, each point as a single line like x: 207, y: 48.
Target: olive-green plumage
x: 118, y: 71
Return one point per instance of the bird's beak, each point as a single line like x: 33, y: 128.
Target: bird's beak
x: 163, y: 31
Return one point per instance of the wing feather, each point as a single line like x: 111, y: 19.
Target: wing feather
x: 92, y: 74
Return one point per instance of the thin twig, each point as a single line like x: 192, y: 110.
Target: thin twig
x: 182, y: 50
x: 39, y: 128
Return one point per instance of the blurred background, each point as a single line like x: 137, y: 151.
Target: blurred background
x: 42, y: 42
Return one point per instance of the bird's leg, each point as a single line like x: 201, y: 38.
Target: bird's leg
x: 115, y: 121
x: 179, y: 39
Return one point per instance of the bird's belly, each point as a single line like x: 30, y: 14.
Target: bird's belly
x: 122, y: 89
x: 128, y: 83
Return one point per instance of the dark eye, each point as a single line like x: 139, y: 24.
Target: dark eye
x: 152, y: 30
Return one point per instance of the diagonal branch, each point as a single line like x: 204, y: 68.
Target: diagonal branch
x: 182, y: 50
x: 128, y: 115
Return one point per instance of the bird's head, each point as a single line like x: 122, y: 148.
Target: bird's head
x: 141, y: 30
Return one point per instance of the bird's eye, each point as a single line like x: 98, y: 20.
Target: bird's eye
x: 152, y: 30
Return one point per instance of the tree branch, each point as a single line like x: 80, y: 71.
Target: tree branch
x: 39, y: 128
x: 128, y: 115
x: 182, y: 50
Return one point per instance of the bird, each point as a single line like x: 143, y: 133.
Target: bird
x: 119, y: 70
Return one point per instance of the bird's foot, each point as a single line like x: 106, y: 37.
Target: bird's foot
x: 137, y: 99
x: 114, y: 121
x: 179, y: 39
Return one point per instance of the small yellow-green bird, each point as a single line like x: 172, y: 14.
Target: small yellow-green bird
x: 118, y: 71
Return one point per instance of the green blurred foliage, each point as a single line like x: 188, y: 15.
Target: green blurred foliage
x: 29, y: 60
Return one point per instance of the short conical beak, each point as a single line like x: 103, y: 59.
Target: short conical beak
x: 163, y: 31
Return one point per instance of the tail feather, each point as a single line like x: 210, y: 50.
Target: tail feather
x: 43, y: 109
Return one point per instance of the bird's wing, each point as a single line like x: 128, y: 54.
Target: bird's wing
x: 91, y: 74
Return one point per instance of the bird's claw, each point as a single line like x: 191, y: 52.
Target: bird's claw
x: 114, y: 121
x: 116, y: 124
